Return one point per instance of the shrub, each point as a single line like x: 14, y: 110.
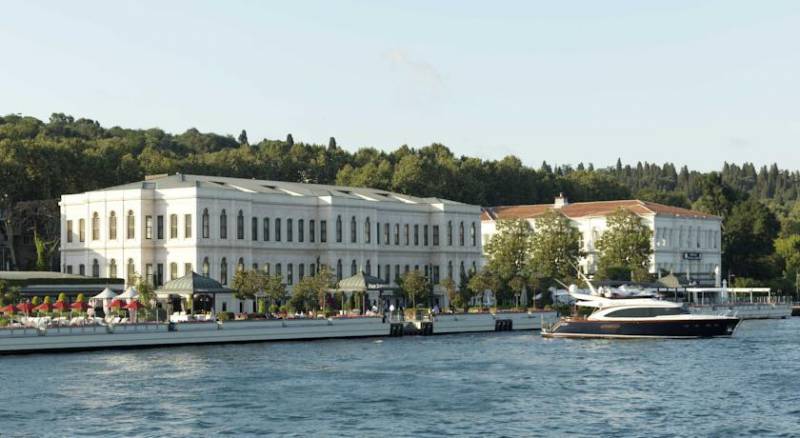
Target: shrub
x: 274, y: 308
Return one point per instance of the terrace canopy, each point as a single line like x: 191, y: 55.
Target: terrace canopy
x: 199, y: 289
x: 362, y: 282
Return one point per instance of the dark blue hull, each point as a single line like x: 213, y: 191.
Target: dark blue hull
x: 677, y: 328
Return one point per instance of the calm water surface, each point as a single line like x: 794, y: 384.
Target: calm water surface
x: 512, y: 384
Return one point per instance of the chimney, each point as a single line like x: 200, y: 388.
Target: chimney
x: 560, y: 201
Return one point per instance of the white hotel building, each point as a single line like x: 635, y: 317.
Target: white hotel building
x: 168, y: 226
x: 685, y: 242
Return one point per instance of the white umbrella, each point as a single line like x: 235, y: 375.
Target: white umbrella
x: 106, y: 296
x: 129, y: 294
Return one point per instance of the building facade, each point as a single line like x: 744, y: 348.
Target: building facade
x: 167, y: 226
x: 686, y: 243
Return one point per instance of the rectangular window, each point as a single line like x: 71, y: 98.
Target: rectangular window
x: 378, y: 233
x: 397, y: 273
x: 290, y: 274
x: 312, y: 268
x: 82, y: 230
x: 416, y: 234
x: 173, y: 226
x: 69, y: 233
x: 435, y: 274
x: 254, y: 228
x: 277, y: 229
x: 312, y: 234
x: 69, y: 269
x: 407, y: 233
x: 397, y: 234
x: 301, y: 225
x: 435, y: 235
x: 159, y: 274
x: 387, y: 273
x: 323, y: 231
x: 289, y: 230
x: 187, y: 226
x: 148, y: 228
x: 386, y: 234
x: 82, y: 269
x: 148, y: 273
x: 266, y: 229
x: 301, y: 271
x: 159, y: 227
x: 407, y: 269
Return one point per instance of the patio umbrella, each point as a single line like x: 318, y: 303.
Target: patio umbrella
x: 8, y: 309
x: 129, y: 294
x: 25, y: 307
x: 105, y: 296
x: 78, y: 305
x: 133, y: 306
x: 44, y: 307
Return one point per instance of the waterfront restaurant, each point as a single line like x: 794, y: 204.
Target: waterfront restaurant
x: 168, y: 226
x: 44, y: 283
x: 686, y: 243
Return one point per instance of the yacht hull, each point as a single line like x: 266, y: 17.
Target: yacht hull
x: 675, y: 328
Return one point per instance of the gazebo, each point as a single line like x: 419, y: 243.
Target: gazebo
x: 200, y: 289
x: 367, y: 284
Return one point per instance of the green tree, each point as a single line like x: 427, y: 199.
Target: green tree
x: 482, y: 281
x: 625, y: 245
x: 453, y: 297
x: 415, y: 287
x: 556, y: 247
x: 510, y: 253
x: 748, y: 241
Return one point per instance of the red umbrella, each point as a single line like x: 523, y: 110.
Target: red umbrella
x: 61, y: 306
x: 25, y: 307
x: 134, y: 305
x: 78, y: 305
x: 8, y: 309
x: 117, y: 304
x: 44, y: 307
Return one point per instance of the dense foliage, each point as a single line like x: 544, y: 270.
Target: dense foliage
x: 41, y: 160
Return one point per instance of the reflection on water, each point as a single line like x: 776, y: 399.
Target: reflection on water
x: 514, y: 384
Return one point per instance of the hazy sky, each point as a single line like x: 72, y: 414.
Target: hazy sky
x: 690, y: 82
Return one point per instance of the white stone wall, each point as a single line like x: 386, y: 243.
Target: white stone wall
x: 196, y: 249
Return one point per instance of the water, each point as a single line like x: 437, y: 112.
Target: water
x: 511, y: 384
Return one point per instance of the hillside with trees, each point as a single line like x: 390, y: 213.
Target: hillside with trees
x: 41, y: 160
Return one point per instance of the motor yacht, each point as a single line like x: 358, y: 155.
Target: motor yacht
x: 637, y: 316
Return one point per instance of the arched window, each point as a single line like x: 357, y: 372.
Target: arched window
x: 277, y: 229
x: 95, y: 268
x: 265, y: 230
x: 240, y: 265
x: 131, y: 272
x: 367, y: 231
x: 223, y: 225
x: 338, y: 229
x: 112, y: 226
x: 254, y: 228
x: 240, y: 225
x: 205, y: 225
x: 112, y: 269
x: 173, y: 271
x: 223, y: 271
x: 369, y: 267
x: 82, y: 230
x: 173, y: 226
x: 353, y: 267
x: 473, y: 235
x: 339, y: 269
x: 461, y: 233
x: 95, y: 226
x: 206, y: 267
x: 353, y: 231
x: 450, y: 233
x: 131, y: 225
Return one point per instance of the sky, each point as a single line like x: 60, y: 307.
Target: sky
x: 689, y: 82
